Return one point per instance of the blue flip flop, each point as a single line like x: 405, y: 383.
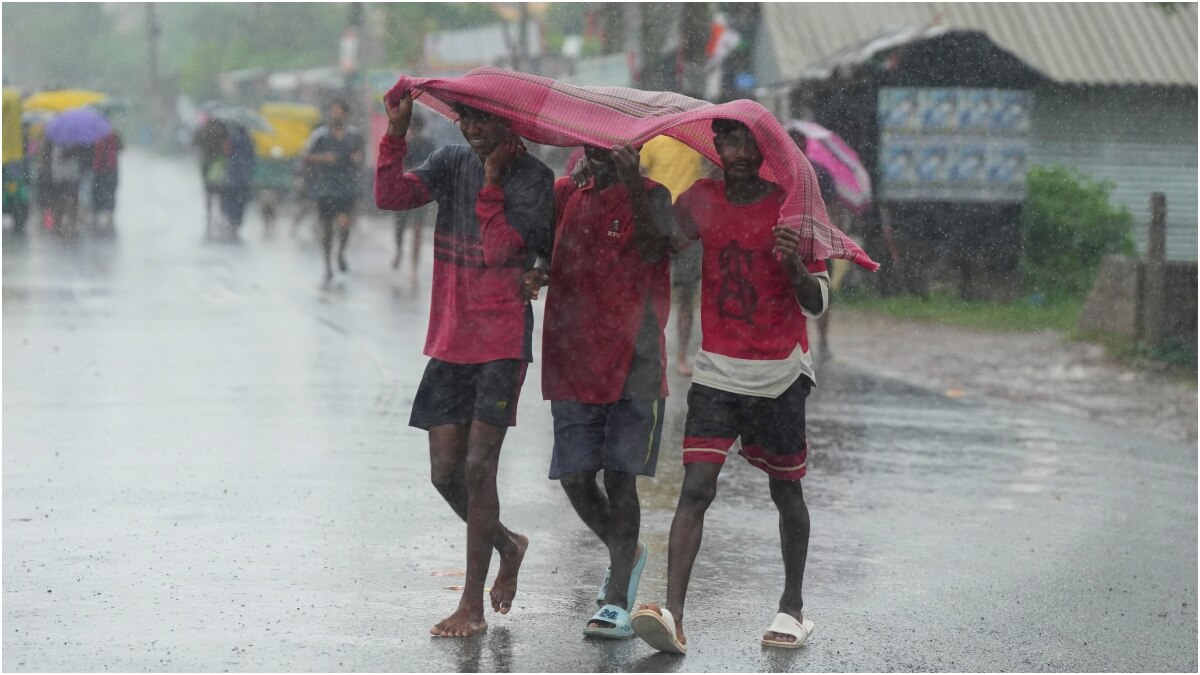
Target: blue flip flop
x: 635, y: 577
x: 618, y: 617
x: 603, y: 592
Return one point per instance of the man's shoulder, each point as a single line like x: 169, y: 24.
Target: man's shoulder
x: 704, y: 188
x: 534, y: 167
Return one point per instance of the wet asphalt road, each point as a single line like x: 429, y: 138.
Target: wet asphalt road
x: 207, y: 467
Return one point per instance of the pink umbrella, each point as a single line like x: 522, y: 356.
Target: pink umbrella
x: 849, y: 175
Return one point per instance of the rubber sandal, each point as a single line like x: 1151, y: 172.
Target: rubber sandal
x: 786, y: 624
x: 635, y: 577
x: 618, y: 617
x: 603, y: 592
x: 657, y: 630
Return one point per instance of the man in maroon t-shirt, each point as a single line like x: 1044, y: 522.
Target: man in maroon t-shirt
x: 604, y: 360
x: 752, y: 374
x: 495, y: 206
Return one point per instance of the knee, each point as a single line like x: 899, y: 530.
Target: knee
x: 697, y: 496
x: 620, y: 484
x: 479, y: 467
x: 788, y: 496
x: 443, y: 475
x: 577, y: 482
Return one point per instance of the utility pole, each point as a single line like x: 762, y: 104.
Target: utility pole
x: 153, y: 32
x: 523, y: 37
x: 1154, y: 283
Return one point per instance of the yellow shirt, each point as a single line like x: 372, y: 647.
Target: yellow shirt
x: 672, y: 164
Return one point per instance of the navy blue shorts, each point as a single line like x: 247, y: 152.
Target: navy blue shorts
x: 457, y: 393
x: 622, y: 436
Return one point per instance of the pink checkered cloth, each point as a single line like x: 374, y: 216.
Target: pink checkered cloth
x: 552, y: 113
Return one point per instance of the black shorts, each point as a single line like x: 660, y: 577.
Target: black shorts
x: 621, y: 436
x: 328, y: 207
x: 771, y: 429
x: 457, y: 393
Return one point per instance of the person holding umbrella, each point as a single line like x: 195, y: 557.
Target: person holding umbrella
x: 68, y: 137
x: 845, y: 188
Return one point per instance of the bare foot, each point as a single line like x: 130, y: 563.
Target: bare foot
x: 683, y: 368
x: 504, y: 588
x: 653, y: 607
x: 464, y: 622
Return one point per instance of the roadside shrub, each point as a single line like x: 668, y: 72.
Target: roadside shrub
x: 1069, y: 225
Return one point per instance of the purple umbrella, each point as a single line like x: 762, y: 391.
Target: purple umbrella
x: 81, y: 126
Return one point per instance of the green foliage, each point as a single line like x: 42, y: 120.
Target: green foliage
x: 1069, y: 225
x: 950, y: 310
x: 236, y: 36
x: 408, y: 22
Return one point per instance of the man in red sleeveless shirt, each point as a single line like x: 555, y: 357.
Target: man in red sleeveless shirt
x: 604, y: 360
x: 752, y: 374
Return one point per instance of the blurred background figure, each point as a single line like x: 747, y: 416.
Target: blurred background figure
x: 335, y: 153
x: 676, y: 166
x: 420, y: 146
x: 105, y: 178
x: 846, y: 190
x: 209, y: 142
x: 237, y: 188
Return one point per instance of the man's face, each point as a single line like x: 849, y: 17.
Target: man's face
x: 739, y: 153
x: 482, y: 131
x: 337, y: 115
x: 600, y: 162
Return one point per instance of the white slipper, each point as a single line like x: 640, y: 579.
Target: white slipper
x: 657, y: 630
x: 786, y: 624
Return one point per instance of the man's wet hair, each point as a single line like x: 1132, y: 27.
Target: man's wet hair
x: 721, y: 127
x: 341, y: 103
x: 463, y: 110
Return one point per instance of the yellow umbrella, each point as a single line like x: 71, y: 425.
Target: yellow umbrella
x: 14, y: 148
x: 64, y: 99
x: 291, y: 123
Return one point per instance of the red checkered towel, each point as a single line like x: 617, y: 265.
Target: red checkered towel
x: 552, y: 113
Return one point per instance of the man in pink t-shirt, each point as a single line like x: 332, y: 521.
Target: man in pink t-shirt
x: 752, y: 374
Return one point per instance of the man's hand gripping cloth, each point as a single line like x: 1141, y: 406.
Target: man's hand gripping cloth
x: 552, y: 113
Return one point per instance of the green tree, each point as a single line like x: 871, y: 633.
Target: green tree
x: 1069, y: 225
x: 409, y: 22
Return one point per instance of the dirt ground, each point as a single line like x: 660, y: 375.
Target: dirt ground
x: 1040, y: 368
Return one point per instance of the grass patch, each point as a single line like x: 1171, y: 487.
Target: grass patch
x: 1176, y: 359
x: 951, y: 310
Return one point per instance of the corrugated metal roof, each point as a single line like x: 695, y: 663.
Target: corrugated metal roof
x: 1093, y: 43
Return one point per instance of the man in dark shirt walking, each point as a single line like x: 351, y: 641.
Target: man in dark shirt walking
x: 495, y: 207
x: 335, y: 152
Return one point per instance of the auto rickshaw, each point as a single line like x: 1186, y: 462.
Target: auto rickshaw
x: 278, y: 150
x: 16, y: 175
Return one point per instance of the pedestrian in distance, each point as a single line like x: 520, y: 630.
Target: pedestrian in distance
x: 828, y: 189
x: 752, y: 375
x: 495, y: 210
x: 335, y: 153
x: 237, y: 189
x: 416, y: 220
x: 105, y: 177
x: 604, y: 357
x: 677, y: 166
x: 209, y: 141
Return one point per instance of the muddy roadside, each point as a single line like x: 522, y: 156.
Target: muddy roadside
x: 1040, y: 368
